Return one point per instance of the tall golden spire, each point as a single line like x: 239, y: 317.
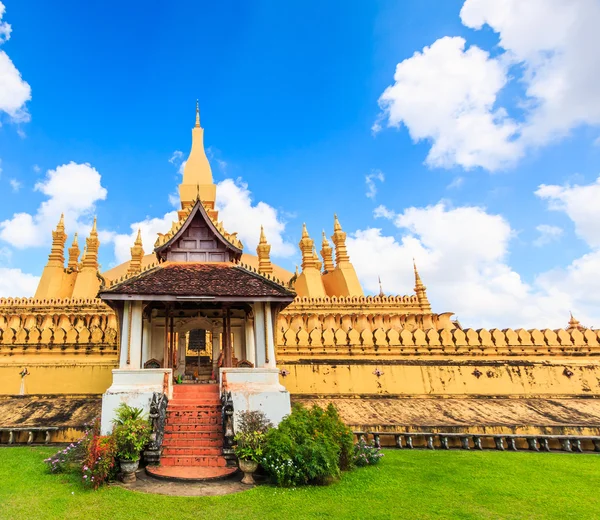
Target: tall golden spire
x: 92, y: 243
x: 73, y: 262
x: 327, y: 254
x: 197, y: 176
x: 263, y: 251
x: 339, y: 241
x: 57, y: 251
x: 137, y: 253
x: 420, y: 290
x: 306, y: 247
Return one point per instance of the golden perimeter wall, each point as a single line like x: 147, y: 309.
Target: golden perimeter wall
x: 360, y: 346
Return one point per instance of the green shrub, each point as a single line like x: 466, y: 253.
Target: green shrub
x: 125, y: 413
x: 310, y: 446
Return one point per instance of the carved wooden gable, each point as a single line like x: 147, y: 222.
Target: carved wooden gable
x: 198, y: 240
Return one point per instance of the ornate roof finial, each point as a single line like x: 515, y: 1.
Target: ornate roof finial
x: 59, y: 237
x: 137, y: 254
x: 339, y: 241
x: 197, y: 115
x: 90, y: 258
x: 74, y: 254
x: 420, y: 290
x: 574, y: 324
x: 381, y: 293
x: 327, y: 254
x: 263, y: 251
x: 306, y: 248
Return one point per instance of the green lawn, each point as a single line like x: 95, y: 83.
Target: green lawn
x: 406, y: 484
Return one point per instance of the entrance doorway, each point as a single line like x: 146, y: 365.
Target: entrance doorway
x: 198, y: 355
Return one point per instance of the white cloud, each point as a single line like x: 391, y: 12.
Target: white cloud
x: 16, y: 283
x: 36, y: 168
x: 456, y: 183
x: 580, y: 203
x: 149, y: 228
x: 375, y: 175
x: 556, y: 42
x: 176, y: 157
x: 14, y: 91
x: 448, y: 94
x: 234, y: 202
x: 462, y: 256
x: 72, y: 189
x: 15, y: 184
x: 548, y: 234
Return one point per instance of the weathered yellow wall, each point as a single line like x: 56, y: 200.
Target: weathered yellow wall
x: 55, y: 376
x: 444, y: 378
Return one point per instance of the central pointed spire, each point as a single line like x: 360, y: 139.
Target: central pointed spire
x: 197, y: 174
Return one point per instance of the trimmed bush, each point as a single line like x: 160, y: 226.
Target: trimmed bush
x: 310, y: 446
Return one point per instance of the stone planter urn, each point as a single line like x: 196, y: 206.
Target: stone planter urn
x: 248, y: 467
x: 128, y: 468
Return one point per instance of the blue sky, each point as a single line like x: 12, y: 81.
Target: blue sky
x: 292, y: 102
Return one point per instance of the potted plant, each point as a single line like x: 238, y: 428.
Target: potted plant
x: 132, y: 433
x: 250, y: 441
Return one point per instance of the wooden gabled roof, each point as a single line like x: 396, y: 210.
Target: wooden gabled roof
x: 229, y: 240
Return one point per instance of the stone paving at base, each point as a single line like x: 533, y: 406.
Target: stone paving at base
x: 146, y: 484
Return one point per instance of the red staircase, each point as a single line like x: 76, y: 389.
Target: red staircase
x: 192, y: 447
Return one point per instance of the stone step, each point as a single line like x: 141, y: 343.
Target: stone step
x: 210, y: 435
x: 190, y: 427
x: 193, y: 404
x: 211, y: 461
x: 193, y: 443
x: 195, y: 389
x: 190, y: 473
x: 177, y: 451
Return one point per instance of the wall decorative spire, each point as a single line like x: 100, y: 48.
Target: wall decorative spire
x: 74, y: 254
x: 197, y: 115
x: 306, y: 248
x: 90, y: 259
x: 420, y: 290
x: 137, y: 253
x: 57, y: 251
x: 339, y: 241
x: 318, y: 263
x: 574, y: 324
x: 327, y: 254
x: 263, y: 251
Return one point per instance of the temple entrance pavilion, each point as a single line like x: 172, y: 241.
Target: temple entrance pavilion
x: 196, y: 314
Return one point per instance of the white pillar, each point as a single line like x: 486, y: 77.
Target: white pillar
x: 181, y: 351
x: 270, y: 343
x: 259, y: 330
x: 125, y: 336
x: 146, y: 341
x: 135, y: 336
x: 250, y: 343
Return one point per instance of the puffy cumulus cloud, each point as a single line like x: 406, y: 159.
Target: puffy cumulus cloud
x: 548, y: 234
x: 72, y: 189
x: 446, y: 94
x: 238, y: 213
x: 556, y: 42
x: 580, y: 204
x: 14, y: 91
x: 149, y: 228
x: 15, y: 283
x: 462, y: 256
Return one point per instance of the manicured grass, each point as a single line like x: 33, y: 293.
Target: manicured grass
x: 406, y: 484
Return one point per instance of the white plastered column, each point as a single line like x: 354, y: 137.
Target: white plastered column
x: 135, y: 337
x: 146, y: 341
x: 250, y: 343
x: 125, y: 336
x: 270, y: 342
x: 216, y: 348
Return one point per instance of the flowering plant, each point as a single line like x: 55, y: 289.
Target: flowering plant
x: 366, y: 454
x: 251, y: 435
x: 100, y: 460
x: 72, y: 454
x: 131, y: 437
